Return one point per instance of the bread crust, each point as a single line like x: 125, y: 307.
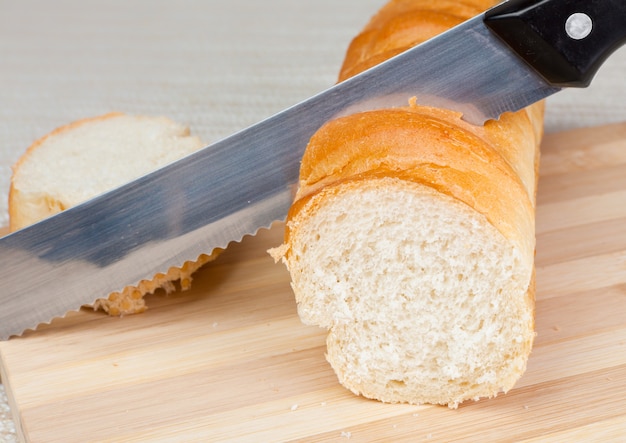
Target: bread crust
x: 401, y: 24
x: 434, y: 147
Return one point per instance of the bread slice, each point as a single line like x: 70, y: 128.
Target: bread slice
x: 86, y: 158
x: 411, y: 239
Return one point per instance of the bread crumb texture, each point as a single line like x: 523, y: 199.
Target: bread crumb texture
x: 89, y: 157
x: 411, y: 237
x: 425, y: 301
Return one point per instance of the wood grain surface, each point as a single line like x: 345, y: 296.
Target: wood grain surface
x: 229, y: 360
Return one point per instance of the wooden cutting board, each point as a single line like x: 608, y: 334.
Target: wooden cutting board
x: 229, y: 360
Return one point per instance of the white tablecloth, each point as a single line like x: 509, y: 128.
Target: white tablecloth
x: 216, y: 65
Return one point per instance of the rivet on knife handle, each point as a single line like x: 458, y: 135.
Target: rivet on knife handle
x: 565, y: 41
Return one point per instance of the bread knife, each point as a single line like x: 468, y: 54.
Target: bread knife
x: 515, y: 54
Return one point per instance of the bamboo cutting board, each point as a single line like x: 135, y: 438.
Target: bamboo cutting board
x: 229, y: 360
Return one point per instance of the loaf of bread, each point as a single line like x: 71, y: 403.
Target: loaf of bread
x: 89, y: 157
x: 411, y: 237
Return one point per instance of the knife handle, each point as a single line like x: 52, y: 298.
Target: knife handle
x: 565, y: 41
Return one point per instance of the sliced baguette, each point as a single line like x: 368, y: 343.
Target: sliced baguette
x: 88, y: 157
x: 411, y: 237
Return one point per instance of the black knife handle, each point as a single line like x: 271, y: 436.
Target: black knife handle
x: 555, y: 38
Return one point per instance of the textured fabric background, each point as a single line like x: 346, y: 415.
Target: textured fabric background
x: 216, y: 65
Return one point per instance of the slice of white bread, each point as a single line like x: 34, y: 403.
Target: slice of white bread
x: 88, y: 157
x: 411, y: 238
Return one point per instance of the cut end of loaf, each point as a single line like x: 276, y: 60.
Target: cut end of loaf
x: 425, y: 301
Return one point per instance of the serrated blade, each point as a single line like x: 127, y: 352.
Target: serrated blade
x: 240, y: 184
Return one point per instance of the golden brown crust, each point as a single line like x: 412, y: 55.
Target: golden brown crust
x: 475, y: 165
x: 130, y: 300
x: 492, y: 168
x: 401, y: 24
